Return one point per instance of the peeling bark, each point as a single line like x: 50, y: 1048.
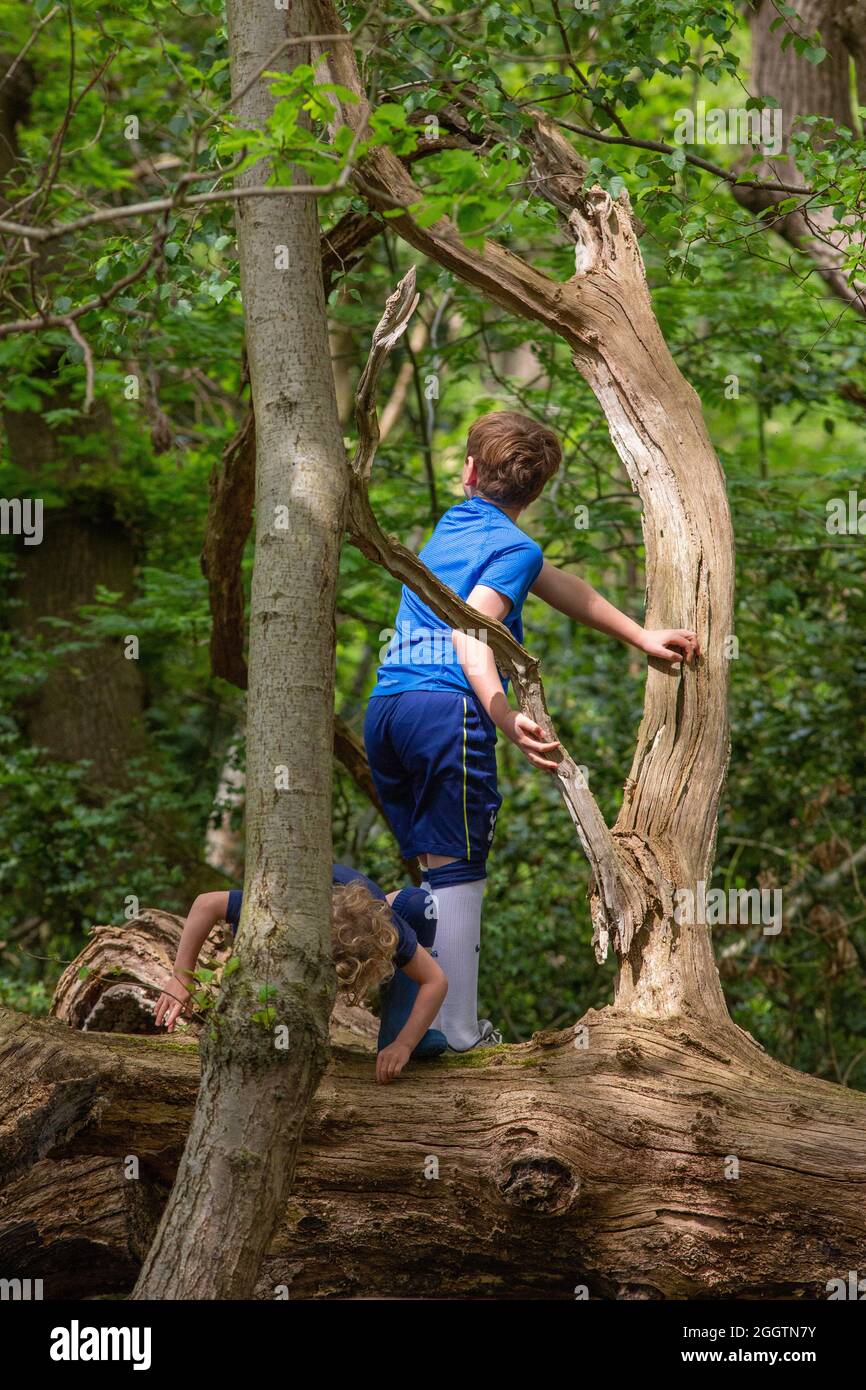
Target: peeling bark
x: 113, y: 984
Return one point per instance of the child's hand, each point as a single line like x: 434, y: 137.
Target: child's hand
x: 664, y: 643
x: 391, y: 1061
x: 171, y: 1004
x: 529, y: 737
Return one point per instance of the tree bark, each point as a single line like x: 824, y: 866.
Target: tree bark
x: 266, y: 1044
x: 640, y: 1158
x: 76, y: 1225
x: 90, y: 704
x: 113, y: 984
x: 656, y: 1152
x: 232, y: 488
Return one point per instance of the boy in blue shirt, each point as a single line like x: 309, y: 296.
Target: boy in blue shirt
x: 431, y: 721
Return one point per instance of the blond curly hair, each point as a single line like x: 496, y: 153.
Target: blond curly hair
x: 364, y: 940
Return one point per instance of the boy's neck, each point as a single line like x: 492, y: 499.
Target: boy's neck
x: 512, y: 512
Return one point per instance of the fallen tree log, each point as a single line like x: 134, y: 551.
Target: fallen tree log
x: 635, y: 1157
x: 74, y: 1224
x: 113, y: 985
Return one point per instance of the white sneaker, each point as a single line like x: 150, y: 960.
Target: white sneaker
x: 489, y: 1037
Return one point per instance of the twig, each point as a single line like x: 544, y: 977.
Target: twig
x: 78, y: 336
x: 29, y: 44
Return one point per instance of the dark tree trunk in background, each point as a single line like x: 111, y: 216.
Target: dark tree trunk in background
x: 90, y: 704
x: 808, y: 89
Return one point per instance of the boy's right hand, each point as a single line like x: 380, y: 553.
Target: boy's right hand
x: 530, y: 738
x: 171, y: 1004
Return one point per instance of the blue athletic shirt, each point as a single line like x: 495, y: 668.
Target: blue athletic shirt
x: 473, y: 543
x: 410, y: 903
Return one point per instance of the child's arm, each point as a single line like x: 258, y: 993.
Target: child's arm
x: 479, y: 668
x: 206, y: 911
x: 579, y: 600
x: 432, y: 988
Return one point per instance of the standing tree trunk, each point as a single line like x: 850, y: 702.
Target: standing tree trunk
x: 267, y: 1047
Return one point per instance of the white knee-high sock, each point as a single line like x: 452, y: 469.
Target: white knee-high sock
x: 457, y: 948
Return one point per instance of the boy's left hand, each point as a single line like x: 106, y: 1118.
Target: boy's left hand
x: 671, y: 643
x: 391, y: 1061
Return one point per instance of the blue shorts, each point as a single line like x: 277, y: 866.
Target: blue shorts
x: 432, y: 754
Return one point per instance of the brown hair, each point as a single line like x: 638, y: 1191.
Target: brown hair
x: 364, y: 940
x: 514, y: 456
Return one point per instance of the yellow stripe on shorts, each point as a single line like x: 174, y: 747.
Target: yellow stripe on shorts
x: 465, y: 817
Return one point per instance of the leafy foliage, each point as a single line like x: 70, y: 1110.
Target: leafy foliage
x: 776, y: 362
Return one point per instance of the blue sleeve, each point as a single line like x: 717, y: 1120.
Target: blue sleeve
x: 233, y: 911
x: 512, y: 571
x: 407, y: 942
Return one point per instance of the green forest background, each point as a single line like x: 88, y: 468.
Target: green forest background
x: 80, y: 835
